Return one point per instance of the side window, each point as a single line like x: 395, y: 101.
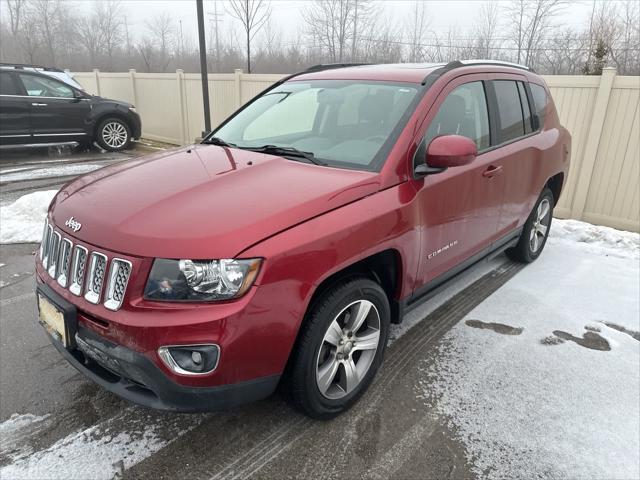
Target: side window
x: 45, y: 87
x: 463, y: 112
x: 524, y: 101
x: 7, y: 86
x: 511, y: 121
x: 540, y: 102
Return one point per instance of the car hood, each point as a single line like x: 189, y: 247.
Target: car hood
x: 201, y: 202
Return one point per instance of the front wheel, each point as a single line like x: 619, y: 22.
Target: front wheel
x: 535, y: 231
x: 340, y: 348
x: 113, y: 134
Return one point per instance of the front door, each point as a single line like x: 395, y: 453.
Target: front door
x: 14, y: 112
x: 57, y: 115
x: 460, y: 207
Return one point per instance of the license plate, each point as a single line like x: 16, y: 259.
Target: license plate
x: 52, y: 319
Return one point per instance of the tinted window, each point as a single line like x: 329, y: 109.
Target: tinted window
x: 7, y: 87
x: 45, y: 87
x: 540, y: 102
x: 511, y: 124
x: 463, y: 112
x: 525, y: 108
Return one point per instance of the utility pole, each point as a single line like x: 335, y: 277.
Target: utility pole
x: 216, y: 18
x: 203, y: 69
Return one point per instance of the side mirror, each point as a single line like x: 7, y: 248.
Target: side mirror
x: 447, y: 151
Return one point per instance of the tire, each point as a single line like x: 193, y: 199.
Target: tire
x: 315, y: 355
x: 529, y: 247
x: 113, y: 134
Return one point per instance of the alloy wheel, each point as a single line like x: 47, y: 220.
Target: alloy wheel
x: 540, y: 226
x: 348, y: 349
x: 115, y: 134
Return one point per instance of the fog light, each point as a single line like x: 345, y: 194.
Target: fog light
x: 190, y: 359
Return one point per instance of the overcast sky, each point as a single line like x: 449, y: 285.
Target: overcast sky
x: 287, y: 17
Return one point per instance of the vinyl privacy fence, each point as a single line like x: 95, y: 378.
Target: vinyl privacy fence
x: 601, y: 112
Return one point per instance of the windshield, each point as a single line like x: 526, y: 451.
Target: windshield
x: 342, y: 123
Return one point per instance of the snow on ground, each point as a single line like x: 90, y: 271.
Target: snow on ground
x: 23, y: 220
x: 597, y: 239
x: 18, y: 174
x: 542, y: 379
x: 102, y: 451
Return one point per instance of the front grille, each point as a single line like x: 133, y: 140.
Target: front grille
x: 84, y: 273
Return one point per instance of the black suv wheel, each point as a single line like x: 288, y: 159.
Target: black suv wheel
x: 113, y: 134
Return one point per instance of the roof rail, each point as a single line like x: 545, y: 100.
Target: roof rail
x: 330, y: 66
x: 497, y: 63
x: 22, y: 66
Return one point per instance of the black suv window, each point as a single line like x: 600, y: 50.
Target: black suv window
x: 7, y: 86
x: 45, y: 87
x: 463, y: 112
x: 510, y: 118
x: 540, y: 102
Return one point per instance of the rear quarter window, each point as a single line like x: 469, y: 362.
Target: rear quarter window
x: 540, y: 102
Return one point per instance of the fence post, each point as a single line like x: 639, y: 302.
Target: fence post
x: 96, y: 73
x: 593, y: 142
x: 180, y: 83
x: 238, y: 87
x: 134, y: 93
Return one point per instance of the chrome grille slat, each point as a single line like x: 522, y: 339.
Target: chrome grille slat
x: 54, y: 252
x: 45, y: 255
x: 119, y: 274
x: 43, y: 242
x: 95, y: 277
x: 64, y: 262
x: 78, y: 268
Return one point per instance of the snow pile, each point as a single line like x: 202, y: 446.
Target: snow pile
x: 597, y: 239
x: 23, y: 220
x: 39, y: 173
x: 559, y: 399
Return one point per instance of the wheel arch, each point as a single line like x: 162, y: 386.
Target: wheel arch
x: 555, y: 184
x: 103, y: 116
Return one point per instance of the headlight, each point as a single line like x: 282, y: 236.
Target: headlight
x: 132, y: 108
x: 200, y: 280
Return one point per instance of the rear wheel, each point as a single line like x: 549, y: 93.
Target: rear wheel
x: 535, y: 231
x: 340, y: 348
x: 113, y: 134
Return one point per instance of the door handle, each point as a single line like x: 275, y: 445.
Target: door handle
x: 39, y: 104
x: 492, y: 171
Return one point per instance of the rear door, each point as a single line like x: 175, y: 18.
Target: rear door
x: 517, y: 152
x: 14, y: 111
x: 460, y: 207
x: 57, y: 114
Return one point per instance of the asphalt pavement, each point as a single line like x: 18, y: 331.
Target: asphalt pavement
x: 75, y: 429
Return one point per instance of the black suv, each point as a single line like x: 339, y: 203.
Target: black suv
x: 37, y: 108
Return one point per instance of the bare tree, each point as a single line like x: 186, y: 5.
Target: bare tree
x: 253, y: 14
x: 111, y: 24
x: 417, y: 26
x: 329, y: 23
x: 90, y: 36
x: 160, y: 27
x: 16, y: 8
x: 486, y: 29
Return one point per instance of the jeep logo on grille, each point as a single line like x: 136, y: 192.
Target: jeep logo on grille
x: 73, y: 224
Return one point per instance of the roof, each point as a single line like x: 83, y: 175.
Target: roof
x: 398, y: 72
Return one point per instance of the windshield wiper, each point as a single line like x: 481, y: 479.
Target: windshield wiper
x: 286, y: 152
x: 217, y: 141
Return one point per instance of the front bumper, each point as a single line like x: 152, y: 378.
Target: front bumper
x: 134, y: 377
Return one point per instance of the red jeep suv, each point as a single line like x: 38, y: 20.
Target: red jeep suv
x: 284, y: 245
